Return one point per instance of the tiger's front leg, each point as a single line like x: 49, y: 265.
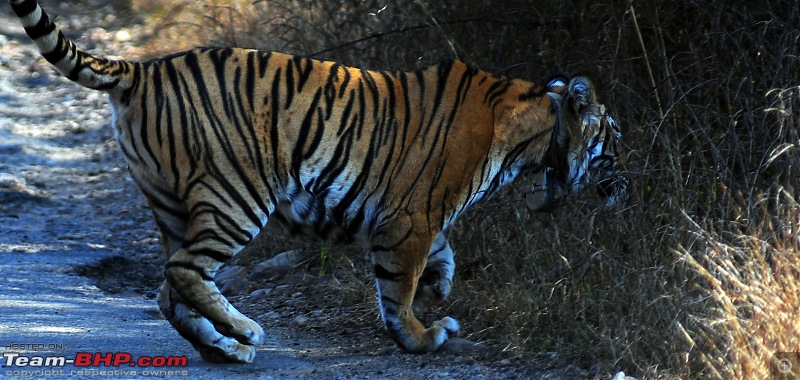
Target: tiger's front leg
x: 398, y: 267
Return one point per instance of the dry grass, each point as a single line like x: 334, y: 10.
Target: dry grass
x: 700, y: 275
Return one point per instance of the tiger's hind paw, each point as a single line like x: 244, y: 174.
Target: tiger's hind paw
x: 243, y: 329
x: 450, y: 325
x: 227, y: 351
x: 214, y: 343
x: 440, y: 332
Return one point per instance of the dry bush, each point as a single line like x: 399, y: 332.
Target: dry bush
x: 698, y: 275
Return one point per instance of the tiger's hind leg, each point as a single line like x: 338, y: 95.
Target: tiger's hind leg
x: 437, y: 278
x: 201, y: 313
x: 200, y: 332
x: 190, y: 299
x: 195, y: 328
x: 398, y: 264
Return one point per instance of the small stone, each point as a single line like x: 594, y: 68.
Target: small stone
x: 122, y: 36
x: 622, y: 376
x: 277, y: 266
x: 8, y: 181
x: 272, y: 315
x: 230, y: 280
x: 459, y: 345
x: 259, y: 295
x: 300, y: 320
x: 98, y: 34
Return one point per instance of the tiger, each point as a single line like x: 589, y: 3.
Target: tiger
x: 223, y: 140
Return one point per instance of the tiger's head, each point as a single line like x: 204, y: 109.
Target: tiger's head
x: 583, y: 151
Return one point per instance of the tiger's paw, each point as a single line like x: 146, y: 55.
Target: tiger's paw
x: 442, y: 330
x: 448, y: 324
x: 243, y: 329
x: 215, y: 344
x: 227, y: 350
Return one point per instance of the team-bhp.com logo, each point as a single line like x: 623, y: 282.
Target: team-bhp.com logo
x: 92, y: 364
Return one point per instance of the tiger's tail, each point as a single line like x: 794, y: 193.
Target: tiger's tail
x: 75, y: 64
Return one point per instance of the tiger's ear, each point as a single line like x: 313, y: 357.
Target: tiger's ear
x: 557, y: 84
x: 581, y: 94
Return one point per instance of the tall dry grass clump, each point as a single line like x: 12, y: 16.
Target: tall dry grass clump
x: 699, y: 275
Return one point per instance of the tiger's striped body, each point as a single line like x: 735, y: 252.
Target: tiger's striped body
x: 223, y: 140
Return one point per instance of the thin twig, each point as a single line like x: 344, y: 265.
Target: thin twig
x: 408, y: 29
x: 646, y: 60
